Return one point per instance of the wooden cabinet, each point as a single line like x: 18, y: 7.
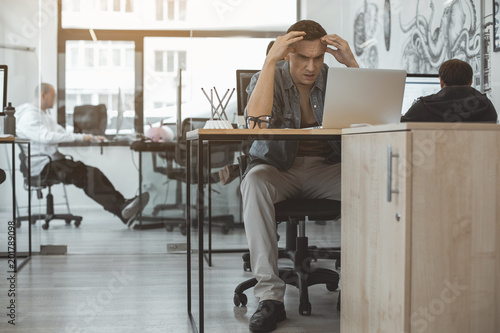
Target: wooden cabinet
x: 428, y: 260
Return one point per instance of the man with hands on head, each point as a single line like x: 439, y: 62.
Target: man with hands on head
x: 287, y: 94
x: 35, y: 123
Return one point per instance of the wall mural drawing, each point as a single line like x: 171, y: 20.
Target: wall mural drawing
x: 387, y: 24
x: 427, y: 46
x: 365, y: 28
x: 496, y: 25
x: 418, y: 35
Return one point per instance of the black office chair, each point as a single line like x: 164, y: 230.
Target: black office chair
x: 297, y: 249
x: 38, y: 183
x: 221, y: 155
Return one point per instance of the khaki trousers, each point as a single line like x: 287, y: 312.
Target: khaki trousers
x: 262, y: 187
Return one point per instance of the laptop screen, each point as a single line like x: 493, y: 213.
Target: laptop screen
x: 418, y: 85
x: 356, y: 96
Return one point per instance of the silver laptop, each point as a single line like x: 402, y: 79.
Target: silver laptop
x: 362, y: 96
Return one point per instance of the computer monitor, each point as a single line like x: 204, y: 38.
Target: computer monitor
x: 3, y: 86
x: 243, y: 78
x: 418, y: 85
x: 90, y: 119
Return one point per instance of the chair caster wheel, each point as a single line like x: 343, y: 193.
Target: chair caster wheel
x: 68, y: 221
x: 305, y: 309
x: 45, y: 226
x: 169, y: 227
x: 332, y: 286
x: 240, y: 299
x: 77, y: 223
x: 18, y: 224
x: 183, y: 231
x: 225, y: 230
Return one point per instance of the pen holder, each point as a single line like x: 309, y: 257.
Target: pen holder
x: 218, y: 119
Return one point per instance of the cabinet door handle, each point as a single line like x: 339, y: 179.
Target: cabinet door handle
x: 390, y: 155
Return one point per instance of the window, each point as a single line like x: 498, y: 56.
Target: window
x: 102, y: 68
x: 100, y: 79
x: 163, y: 57
x: 104, y: 5
x: 171, y: 10
x: 103, y: 99
x: 89, y: 57
x: 129, y: 58
x: 103, y: 57
x: 117, y: 58
x: 128, y: 6
x: 170, y: 61
x: 85, y: 99
x: 73, y: 54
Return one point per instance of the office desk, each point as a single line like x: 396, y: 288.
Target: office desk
x: 155, y: 147
x: 11, y: 225
x: 101, y: 144
x: 421, y: 228
x: 201, y: 135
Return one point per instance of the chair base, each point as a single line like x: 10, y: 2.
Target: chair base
x: 300, y: 280
x: 225, y: 222
x: 168, y: 223
x: 48, y: 218
x: 301, y: 276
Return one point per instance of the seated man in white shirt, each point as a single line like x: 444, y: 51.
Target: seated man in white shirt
x: 35, y: 123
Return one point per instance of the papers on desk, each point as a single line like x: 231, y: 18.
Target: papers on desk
x: 6, y: 137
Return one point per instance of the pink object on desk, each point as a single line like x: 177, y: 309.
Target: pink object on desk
x: 160, y: 134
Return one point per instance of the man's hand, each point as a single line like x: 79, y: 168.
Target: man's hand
x: 282, y: 45
x: 342, y: 53
x: 93, y: 138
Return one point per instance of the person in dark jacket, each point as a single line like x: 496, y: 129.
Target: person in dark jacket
x: 457, y: 101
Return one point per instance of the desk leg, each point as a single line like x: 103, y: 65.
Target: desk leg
x: 209, y: 164
x: 200, y: 235
x: 188, y: 227
x: 140, y: 189
x: 14, y: 203
x: 29, y: 198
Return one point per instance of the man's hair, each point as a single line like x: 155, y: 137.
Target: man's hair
x: 455, y: 72
x: 313, y: 29
x: 42, y: 88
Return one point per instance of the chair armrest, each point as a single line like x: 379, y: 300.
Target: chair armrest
x: 44, y: 155
x: 243, y: 163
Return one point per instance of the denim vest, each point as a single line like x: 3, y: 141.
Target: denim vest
x: 286, y: 114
